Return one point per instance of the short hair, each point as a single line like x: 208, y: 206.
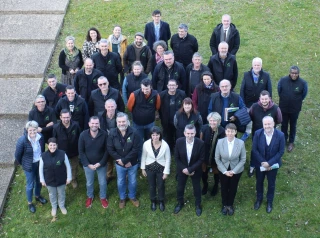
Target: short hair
x: 197, y: 54
x: 94, y: 118
x: 157, y: 130
x: 187, y: 101
x: 156, y: 12
x: 146, y: 82
x: 225, y: 80
x: 88, y: 59
x: 101, y: 78
x: 50, y: 76
x: 215, y: 116
x: 88, y: 37
x: 111, y: 100
x: 173, y: 80
x: 267, y: 117
x: 162, y: 43
x: 52, y: 140
x: 139, y: 34
x: 223, y: 43
x: 226, y: 15
x: 32, y: 124
x: 294, y: 67
x: 70, y: 38
x: 70, y: 87
x: 40, y: 96
x: 257, y: 59
x: 65, y: 111
x: 190, y: 127
x: 122, y: 114
x: 105, y: 41
x: 137, y: 63
x: 231, y: 126
x: 168, y: 52
x: 183, y: 26
x: 117, y: 26
x: 264, y: 93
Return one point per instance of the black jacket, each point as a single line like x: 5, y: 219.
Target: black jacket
x: 134, y: 82
x: 181, y: 120
x: 93, y: 150
x: 97, y: 101
x: 130, y: 56
x: 103, y: 121
x: 233, y: 39
x: 164, y: 33
x: 125, y: 148
x: 67, y: 138
x: 52, y: 97
x: 84, y: 86
x: 193, y: 77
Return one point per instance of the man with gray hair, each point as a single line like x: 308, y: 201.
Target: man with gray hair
x: 183, y: 45
x: 108, y: 63
x: 225, y: 31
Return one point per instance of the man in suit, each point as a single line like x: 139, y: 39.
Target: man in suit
x: 156, y: 30
x: 189, y: 156
x: 267, y: 149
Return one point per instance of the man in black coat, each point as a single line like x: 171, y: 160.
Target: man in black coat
x: 54, y: 91
x: 156, y: 30
x: 225, y: 31
x: 189, y: 155
x: 183, y: 45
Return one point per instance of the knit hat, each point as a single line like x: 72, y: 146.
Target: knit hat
x: 139, y: 34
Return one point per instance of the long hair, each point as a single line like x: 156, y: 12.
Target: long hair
x: 187, y: 101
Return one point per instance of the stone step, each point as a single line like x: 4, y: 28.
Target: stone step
x: 6, y: 176
x: 31, y: 28
x: 17, y: 95
x: 27, y: 60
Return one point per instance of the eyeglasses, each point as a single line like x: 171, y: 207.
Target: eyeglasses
x: 294, y: 73
x: 100, y: 84
x: 41, y: 102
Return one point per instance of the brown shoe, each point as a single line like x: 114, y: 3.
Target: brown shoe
x: 135, y: 202
x: 122, y: 204
x: 290, y: 147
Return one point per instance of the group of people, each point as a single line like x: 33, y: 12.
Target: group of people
x: 83, y: 118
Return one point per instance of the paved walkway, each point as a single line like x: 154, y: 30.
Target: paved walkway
x: 28, y: 34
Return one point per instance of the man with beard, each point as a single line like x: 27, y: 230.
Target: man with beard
x: 137, y: 51
x: 67, y: 133
x: 86, y: 79
x: 93, y: 155
x: 54, y: 91
x: 223, y: 65
x: 124, y: 146
x: 108, y: 63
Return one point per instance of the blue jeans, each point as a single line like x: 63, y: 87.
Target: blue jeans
x: 122, y: 173
x: 101, y: 171
x: 144, y: 133
x: 33, y: 182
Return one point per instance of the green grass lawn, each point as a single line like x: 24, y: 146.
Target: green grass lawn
x: 282, y: 33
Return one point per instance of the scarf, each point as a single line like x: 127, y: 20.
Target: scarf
x: 71, y: 56
x: 159, y: 58
x: 208, y: 86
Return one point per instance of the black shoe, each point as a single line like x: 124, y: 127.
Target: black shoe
x: 214, y: 191
x: 230, y: 210
x: 250, y: 174
x: 178, y: 208
x: 153, y: 206
x: 204, y: 189
x: 198, y: 210
x: 257, y: 204
x: 224, y: 210
x: 162, y: 206
x: 42, y: 200
x: 32, y: 208
x: 269, y: 207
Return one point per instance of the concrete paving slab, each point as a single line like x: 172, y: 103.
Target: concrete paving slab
x: 34, y: 6
x: 17, y: 27
x: 6, y: 175
x: 17, y: 95
x: 24, y: 59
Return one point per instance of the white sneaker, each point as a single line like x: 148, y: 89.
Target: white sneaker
x: 54, y: 212
x: 63, y: 210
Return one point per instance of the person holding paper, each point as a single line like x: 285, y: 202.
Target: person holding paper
x: 267, y: 149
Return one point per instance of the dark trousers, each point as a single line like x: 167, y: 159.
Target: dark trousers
x: 271, y: 177
x: 229, y: 187
x: 291, y: 118
x: 182, y: 180
x: 156, y: 182
x: 169, y: 135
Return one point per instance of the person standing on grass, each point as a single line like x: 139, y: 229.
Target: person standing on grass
x: 93, y: 156
x: 267, y: 149
x: 28, y: 153
x: 55, y: 174
x: 292, y: 91
x: 54, y: 91
x: 124, y: 146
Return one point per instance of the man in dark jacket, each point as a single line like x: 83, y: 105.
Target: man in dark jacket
x: 124, y: 146
x: 93, y: 156
x: 108, y: 63
x: 168, y: 69
x: 76, y: 105
x: 86, y: 79
x: 156, y: 30
x: 54, y: 91
x: 67, y: 133
x: 101, y: 95
x: 225, y: 31
x: 223, y: 65
x: 171, y: 101
x: 137, y: 51
x: 183, y: 45
x: 292, y: 91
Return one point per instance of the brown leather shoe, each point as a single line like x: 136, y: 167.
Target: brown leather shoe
x: 135, y: 202
x: 290, y: 147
